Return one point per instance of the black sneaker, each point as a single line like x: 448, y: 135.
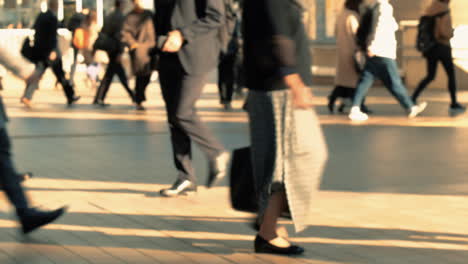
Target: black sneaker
x: 456, y: 109
x: 32, y: 219
x: 180, y: 187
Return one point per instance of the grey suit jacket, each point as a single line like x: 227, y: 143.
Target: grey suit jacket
x: 199, y: 21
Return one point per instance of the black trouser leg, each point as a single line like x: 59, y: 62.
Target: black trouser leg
x: 431, y: 64
x: 226, y: 78
x: 57, y: 68
x: 8, y: 176
x: 141, y: 83
x: 447, y: 61
x: 120, y: 71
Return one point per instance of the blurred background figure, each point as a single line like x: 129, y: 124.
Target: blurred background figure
x: 111, y: 36
x: 228, y: 69
x: 30, y: 218
x: 139, y: 35
x: 281, y: 118
x: 380, y: 45
x: 347, y: 74
x: 84, y: 37
x: 75, y: 22
x: 47, y: 54
x: 441, y: 51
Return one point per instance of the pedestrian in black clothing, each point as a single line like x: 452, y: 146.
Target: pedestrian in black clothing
x: 47, y: 54
x: 112, y: 29
x: 442, y: 51
x: 190, y: 52
x: 29, y: 218
x: 228, y: 59
x: 139, y: 35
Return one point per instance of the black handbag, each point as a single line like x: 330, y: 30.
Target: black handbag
x: 27, y: 50
x: 106, y: 43
x: 242, y: 186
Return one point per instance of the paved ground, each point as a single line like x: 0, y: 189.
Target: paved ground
x: 394, y: 190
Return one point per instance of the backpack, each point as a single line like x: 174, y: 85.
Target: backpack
x: 366, y: 26
x: 226, y: 31
x: 425, y: 39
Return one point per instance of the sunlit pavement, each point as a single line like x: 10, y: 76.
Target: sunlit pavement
x: 394, y: 189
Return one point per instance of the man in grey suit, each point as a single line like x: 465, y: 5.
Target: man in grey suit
x: 189, y: 47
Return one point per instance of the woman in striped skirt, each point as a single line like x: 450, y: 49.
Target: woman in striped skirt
x: 287, y: 144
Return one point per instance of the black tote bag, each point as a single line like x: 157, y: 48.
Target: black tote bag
x: 242, y: 186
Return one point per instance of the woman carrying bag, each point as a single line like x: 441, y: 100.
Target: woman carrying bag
x: 138, y: 34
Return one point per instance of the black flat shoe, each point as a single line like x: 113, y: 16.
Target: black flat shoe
x: 263, y: 246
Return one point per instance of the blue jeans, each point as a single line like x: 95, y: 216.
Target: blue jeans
x: 386, y: 70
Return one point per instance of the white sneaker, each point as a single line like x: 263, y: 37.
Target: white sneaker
x: 417, y: 109
x: 356, y: 115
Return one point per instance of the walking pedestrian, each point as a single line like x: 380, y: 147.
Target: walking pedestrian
x: 347, y: 75
x: 381, y: 49
x: 287, y: 144
x: 442, y: 51
x: 190, y: 51
x: 139, y: 35
x: 47, y: 54
x: 30, y: 218
x: 112, y: 31
x: 228, y: 58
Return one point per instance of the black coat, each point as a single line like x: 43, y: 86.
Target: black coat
x: 45, y: 36
x: 275, y: 44
x: 199, y: 21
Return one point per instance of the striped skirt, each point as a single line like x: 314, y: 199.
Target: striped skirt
x: 288, y: 149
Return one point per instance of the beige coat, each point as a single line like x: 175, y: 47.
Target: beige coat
x: 443, y: 30
x: 347, y: 24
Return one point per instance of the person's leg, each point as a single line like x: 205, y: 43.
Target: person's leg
x: 365, y: 82
x: 337, y: 91
x: 391, y: 79
x: 120, y: 71
x: 57, y: 68
x: 180, y: 92
x: 10, y: 181
x: 227, y: 74
x: 170, y: 76
x: 269, y: 226
x: 141, y: 83
x: 74, y: 64
x: 105, y: 83
x: 447, y: 61
x: 431, y: 66
x: 32, y: 87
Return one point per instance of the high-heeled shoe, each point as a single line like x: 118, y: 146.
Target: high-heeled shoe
x: 263, y: 246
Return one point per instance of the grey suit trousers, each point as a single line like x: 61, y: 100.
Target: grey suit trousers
x: 180, y: 93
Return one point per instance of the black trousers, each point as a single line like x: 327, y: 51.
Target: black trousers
x: 57, y: 69
x: 442, y: 53
x: 10, y: 181
x: 226, y: 77
x: 180, y: 93
x: 114, y: 67
x: 141, y: 82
